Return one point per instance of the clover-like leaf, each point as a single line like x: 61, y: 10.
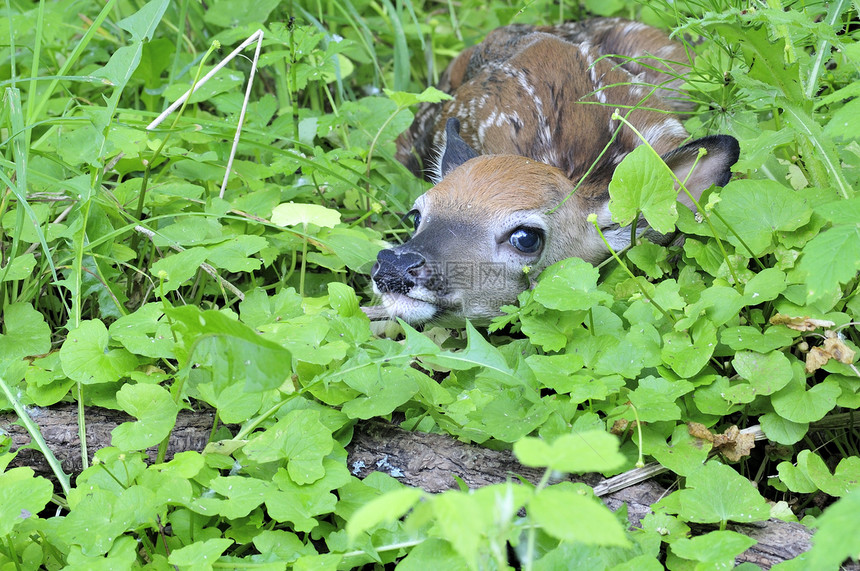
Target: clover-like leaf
x: 385, y: 508
x: 570, y: 285
x: 767, y: 373
x: 717, y: 547
x: 591, y: 451
x: 757, y: 209
x: 300, y: 439
x: 26, y: 332
x: 643, y: 183
x: 593, y: 524
x: 716, y: 493
x: 21, y: 497
x: 155, y: 410
x: 86, y: 358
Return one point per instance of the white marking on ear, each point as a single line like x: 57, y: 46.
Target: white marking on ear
x: 669, y: 127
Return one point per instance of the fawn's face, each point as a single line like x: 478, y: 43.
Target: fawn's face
x: 479, y: 234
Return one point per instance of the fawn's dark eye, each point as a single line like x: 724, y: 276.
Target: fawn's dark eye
x: 527, y: 240
x: 415, y: 217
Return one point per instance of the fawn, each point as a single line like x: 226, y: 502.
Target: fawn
x: 531, y: 113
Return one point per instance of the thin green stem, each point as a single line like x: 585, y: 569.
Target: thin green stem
x: 33, y: 430
x: 592, y: 218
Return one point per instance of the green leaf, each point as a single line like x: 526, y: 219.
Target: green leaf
x: 302, y: 503
x: 684, y: 455
x: 506, y: 417
x: 293, y: 214
x: 231, y: 351
x: 824, y: 271
x: 650, y: 258
x: 781, y: 430
x: 433, y: 553
x: 21, y: 497
x: 96, y: 521
x: 838, y: 535
x: 556, y: 371
x: 594, y: 524
x: 405, y: 99
x: 385, y: 388
x: 231, y: 496
x: 570, y: 285
x: 550, y: 329
x: 19, y: 268
x: 259, y: 309
x: 757, y: 209
x: 355, y: 247
x: 797, y: 404
x: 386, y: 508
x: 155, y: 410
x: 719, y: 304
x: 142, y: 24
x: 766, y: 373
x: 235, y: 254
x: 718, y: 399
x: 200, y: 555
x: 643, y: 183
x: 478, y: 353
x: 746, y: 337
x: 591, y: 451
x: 841, y: 211
x: 27, y: 334
x: 300, y: 439
x: 121, y: 65
x: 176, y: 269
x: 716, y: 493
x: 796, y: 479
x: 145, y: 332
x: 343, y: 299
x: 86, y: 358
x: 687, y: 357
x: 655, y: 397
x: 764, y: 286
x: 717, y: 547
x: 845, y: 477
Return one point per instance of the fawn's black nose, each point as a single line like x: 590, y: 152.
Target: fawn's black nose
x: 395, y: 271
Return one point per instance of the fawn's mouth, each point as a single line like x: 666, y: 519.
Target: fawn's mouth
x: 408, y: 308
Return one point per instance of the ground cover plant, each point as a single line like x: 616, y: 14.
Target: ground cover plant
x: 129, y: 281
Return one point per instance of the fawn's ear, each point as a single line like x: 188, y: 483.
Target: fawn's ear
x: 712, y: 168
x: 455, y: 151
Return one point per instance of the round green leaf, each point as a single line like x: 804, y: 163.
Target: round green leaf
x: 568, y: 515
x: 86, y: 358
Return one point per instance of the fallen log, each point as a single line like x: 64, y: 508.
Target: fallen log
x: 426, y: 461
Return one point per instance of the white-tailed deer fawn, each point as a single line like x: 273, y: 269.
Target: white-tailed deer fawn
x: 535, y: 107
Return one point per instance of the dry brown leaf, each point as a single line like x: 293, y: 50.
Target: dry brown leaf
x: 800, y: 323
x: 815, y: 359
x: 832, y: 348
x: 621, y: 426
x: 732, y: 444
x: 839, y: 350
x: 700, y: 431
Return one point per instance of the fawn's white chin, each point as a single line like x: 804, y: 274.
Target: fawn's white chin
x: 407, y: 308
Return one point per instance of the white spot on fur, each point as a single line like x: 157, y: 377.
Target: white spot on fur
x: 669, y: 127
